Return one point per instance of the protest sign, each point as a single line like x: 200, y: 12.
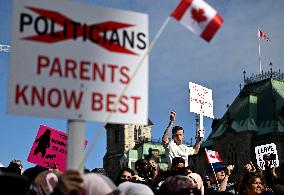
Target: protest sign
x: 49, y: 148
x: 262, y: 150
x: 201, y: 101
x: 76, y: 61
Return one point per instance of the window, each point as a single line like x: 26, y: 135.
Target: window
x: 116, y: 136
x: 232, y: 156
x: 139, y: 133
x: 135, y: 134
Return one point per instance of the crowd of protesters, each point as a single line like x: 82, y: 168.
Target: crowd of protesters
x: 178, y: 179
x: 146, y: 179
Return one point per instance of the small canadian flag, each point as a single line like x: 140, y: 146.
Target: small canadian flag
x: 262, y: 35
x: 198, y: 17
x: 212, y: 156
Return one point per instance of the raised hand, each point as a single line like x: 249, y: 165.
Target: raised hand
x: 230, y: 169
x: 173, y: 116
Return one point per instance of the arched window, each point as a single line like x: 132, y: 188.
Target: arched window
x: 232, y: 156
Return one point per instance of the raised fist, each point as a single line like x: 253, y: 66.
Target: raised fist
x: 173, y: 116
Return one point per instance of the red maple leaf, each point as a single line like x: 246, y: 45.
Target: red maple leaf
x: 198, y: 15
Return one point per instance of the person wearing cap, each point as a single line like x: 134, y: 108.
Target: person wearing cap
x: 175, y: 147
x: 221, y: 183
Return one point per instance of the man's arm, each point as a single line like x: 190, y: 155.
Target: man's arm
x: 223, y: 184
x: 170, y: 126
x: 198, y: 142
x: 197, y: 145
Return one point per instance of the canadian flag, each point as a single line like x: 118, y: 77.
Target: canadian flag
x: 212, y: 156
x: 198, y: 17
x: 262, y: 35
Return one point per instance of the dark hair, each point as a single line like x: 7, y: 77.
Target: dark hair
x: 127, y: 170
x: 176, y: 128
x: 247, y: 180
x: 178, y: 185
x: 140, y: 162
x: 121, y: 172
x: 33, y: 172
x: 86, y: 171
x: 177, y: 160
x: 15, y: 166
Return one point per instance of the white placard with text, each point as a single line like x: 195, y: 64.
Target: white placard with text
x: 74, y: 61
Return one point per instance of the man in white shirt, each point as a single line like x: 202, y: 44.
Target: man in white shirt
x: 175, y: 147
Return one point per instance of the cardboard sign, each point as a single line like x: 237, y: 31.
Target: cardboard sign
x: 261, y: 150
x: 201, y: 101
x: 49, y: 148
x: 74, y: 61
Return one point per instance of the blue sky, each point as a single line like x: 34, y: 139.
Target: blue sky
x: 178, y: 57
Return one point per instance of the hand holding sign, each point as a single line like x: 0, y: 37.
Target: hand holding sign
x: 200, y: 133
x: 70, y: 182
x: 249, y: 167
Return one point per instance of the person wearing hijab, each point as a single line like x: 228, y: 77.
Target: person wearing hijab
x: 98, y: 184
x: 130, y: 188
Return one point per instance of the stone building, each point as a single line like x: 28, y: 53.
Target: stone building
x: 256, y: 117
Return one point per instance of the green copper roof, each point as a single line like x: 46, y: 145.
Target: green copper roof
x: 254, y: 109
x: 147, y: 146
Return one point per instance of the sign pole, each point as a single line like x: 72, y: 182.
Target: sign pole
x: 201, y: 127
x: 212, y: 168
x: 76, y: 144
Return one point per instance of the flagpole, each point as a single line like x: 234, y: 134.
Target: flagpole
x: 259, y: 59
x: 212, y: 169
x: 215, y: 175
x: 156, y: 37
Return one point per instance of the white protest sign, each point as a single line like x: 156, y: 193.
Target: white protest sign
x: 201, y: 101
x: 73, y: 61
x: 261, y: 150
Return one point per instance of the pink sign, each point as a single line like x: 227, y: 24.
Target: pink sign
x: 49, y: 148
